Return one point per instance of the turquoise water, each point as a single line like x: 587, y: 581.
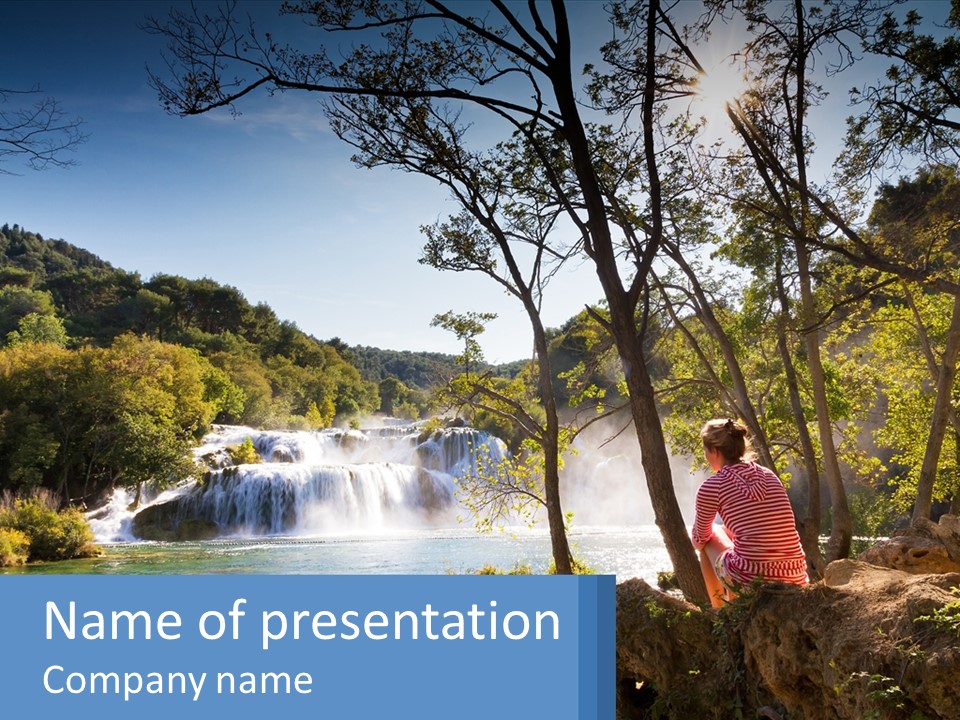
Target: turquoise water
x: 622, y: 551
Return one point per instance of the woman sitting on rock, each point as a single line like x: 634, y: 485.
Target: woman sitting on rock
x: 759, y: 538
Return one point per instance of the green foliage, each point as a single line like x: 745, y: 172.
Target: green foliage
x: 317, y: 419
x: 244, y: 453
x: 52, y: 535
x: 888, y: 697
x: 903, y: 375
x: 432, y: 425
x: 873, y: 513
x: 416, y: 370
x: 517, y: 569
x: 272, y: 370
x: 502, y: 490
x: 466, y: 326
x: 15, y: 276
x: 38, y: 328
x: 82, y: 421
x: 908, y: 110
x: 946, y: 618
x: 494, y: 409
x: 16, y: 303
x: 587, y: 368
x: 667, y: 580
x: 226, y: 397
x: 578, y: 566
x: 398, y: 400
x: 14, y: 547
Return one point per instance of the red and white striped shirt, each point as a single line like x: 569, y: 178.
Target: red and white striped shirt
x: 754, y: 507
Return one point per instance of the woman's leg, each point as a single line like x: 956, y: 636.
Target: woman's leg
x: 716, y: 590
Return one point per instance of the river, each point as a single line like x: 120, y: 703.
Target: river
x: 622, y: 551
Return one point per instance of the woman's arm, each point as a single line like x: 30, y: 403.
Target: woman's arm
x: 706, y: 511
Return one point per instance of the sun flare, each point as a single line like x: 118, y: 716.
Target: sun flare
x: 715, y: 89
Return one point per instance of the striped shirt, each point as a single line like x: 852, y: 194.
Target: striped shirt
x: 755, y: 509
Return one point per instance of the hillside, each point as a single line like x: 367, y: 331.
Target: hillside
x: 98, y: 302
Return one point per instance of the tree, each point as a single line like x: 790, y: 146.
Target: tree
x: 900, y: 335
x: 423, y: 62
x: 393, y: 394
x: 18, y: 302
x: 39, y: 328
x: 773, y: 123
x: 912, y: 110
x: 466, y: 326
x: 35, y: 129
x: 81, y: 422
x: 909, y: 113
x: 916, y: 220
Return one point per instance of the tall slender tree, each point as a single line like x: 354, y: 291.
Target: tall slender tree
x: 420, y: 64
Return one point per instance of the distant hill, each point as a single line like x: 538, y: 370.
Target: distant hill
x: 421, y: 370
x: 97, y: 302
x: 282, y: 371
x: 31, y: 252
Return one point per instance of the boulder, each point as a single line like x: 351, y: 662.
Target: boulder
x: 162, y: 522
x: 918, y: 555
x: 923, y: 549
x: 197, y: 529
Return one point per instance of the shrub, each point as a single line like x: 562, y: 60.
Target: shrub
x: 517, y: 569
x: 579, y: 567
x: 14, y: 547
x: 52, y: 535
x: 244, y: 453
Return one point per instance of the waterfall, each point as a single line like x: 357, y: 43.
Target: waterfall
x: 329, y: 481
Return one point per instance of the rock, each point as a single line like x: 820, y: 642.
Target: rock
x: 663, y: 643
x: 924, y: 548
x: 283, y: 454
x: 162, y: 522
x: 912, y: 554
x: 947, y: 531
x: 853, y: 646
x: 197, y: 529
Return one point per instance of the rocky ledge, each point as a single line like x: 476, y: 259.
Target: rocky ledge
x: 865, y: 642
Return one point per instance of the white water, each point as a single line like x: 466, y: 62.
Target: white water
x: 384, y: 500
x: 318, y: 483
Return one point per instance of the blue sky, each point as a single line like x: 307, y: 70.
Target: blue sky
x: 268, y: 202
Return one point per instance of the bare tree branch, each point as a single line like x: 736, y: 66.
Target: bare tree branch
x: 35, y: 130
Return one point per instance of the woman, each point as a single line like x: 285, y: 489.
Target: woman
x: 758, y: 539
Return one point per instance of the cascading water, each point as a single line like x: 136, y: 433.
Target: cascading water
x: 330, y: 481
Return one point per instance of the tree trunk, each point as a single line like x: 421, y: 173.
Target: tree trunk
x: 656, y: 465
x: 841, y: 524
x: 809, y: 526
x: 136, y: 498
x: 955, y: 499
x: 551, y: 444
x: 941, y: 416
x: 622, y: 304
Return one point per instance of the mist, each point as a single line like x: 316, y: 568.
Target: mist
x: 604, y: 482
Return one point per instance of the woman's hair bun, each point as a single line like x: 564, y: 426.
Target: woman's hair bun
x: 735, y: 428
x: 729, y: 436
